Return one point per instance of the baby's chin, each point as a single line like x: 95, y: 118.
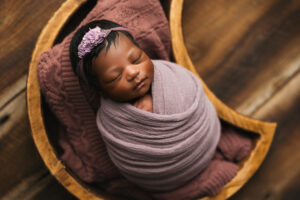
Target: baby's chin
x: 133, y: 97
x: 145, y: 90
x: 132, y: 100
x: 127, y: 99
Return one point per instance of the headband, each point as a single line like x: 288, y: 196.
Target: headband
x: 91, y: 39
x: 94, y: 37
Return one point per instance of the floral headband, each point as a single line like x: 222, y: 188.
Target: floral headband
x: 91, y: 39
x: 94, y: 37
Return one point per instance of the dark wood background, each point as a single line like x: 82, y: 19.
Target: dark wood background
x: 247, y: 51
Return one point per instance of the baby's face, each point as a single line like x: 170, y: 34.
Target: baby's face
x: 124, y: 72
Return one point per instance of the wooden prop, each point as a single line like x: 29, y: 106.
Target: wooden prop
x: 264, y: 129
x: 46, y: 150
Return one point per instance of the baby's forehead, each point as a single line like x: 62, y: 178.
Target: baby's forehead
x: 121, y: 47
x: 119, y: 51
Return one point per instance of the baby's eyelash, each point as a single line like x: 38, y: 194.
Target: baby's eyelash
x: 117, y: 77
x: 138, y: 58
x: 111, y: 81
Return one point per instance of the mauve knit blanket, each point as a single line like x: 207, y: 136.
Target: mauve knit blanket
x: 163, y: 150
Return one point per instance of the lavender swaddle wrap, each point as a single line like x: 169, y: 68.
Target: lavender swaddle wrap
x: 163, y: 150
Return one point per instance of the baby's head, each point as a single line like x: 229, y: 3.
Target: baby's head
x: 117, y: 66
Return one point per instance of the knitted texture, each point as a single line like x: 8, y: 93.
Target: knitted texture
x: 234, y: 147
x: 209, y: 183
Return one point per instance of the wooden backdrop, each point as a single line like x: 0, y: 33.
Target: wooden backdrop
x: 248, y: 52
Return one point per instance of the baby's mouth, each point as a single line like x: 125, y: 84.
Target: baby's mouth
x: 139, y: 84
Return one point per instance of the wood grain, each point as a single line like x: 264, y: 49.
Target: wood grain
x: 23, y: 174
x: 21, y: 23
x: 18, y: 154
x: 248, y: 53
x: 278, y: 177
x: 244, y: 50
x: 40, y: 185
x: 264, y: 129
x: 17, y: 150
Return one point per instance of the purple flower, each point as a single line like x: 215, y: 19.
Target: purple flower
x: 91, y: 39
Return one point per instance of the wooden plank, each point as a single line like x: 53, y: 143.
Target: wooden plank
x: 264, y: 129
x: 9, y: 93
x: 24, y: 180
x: 24, y: 185
x: 18, y: 155
x: 40, y: 185
x: 212, y: 28
x: 51, y: 189
x: 286, y: 68
x: 21, y: 23
x: 278, y: 177
x: 36, y: 187
x: 23, y: 174
x: 244, y: 50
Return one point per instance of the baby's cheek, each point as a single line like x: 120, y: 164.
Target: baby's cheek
x: 126, y: 94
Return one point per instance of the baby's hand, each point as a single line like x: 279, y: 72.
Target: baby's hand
x: 144, y: 103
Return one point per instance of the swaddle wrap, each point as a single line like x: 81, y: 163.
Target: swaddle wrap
x: 163, y: 150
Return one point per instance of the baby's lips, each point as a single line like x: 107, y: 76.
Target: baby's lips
x: 137, y: 84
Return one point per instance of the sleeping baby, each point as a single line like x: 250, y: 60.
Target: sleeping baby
x: 159, y: 127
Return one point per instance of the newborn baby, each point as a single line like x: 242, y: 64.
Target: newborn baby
x: 122, y: 72
x: 125, y: 73
x: 159, y: 127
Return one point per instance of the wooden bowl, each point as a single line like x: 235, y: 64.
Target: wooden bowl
x: 83, y: 191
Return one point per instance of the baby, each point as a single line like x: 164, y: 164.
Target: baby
x: 117, y: 67
x: 165, y: 147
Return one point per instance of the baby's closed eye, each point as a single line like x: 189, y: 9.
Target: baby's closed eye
x: 137, y: 59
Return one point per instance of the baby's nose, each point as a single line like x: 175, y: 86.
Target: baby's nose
x: 132, y: 72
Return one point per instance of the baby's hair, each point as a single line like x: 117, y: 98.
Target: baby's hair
x: 87, y: 59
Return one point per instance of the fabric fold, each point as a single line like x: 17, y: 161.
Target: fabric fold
x: 163, y: 150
